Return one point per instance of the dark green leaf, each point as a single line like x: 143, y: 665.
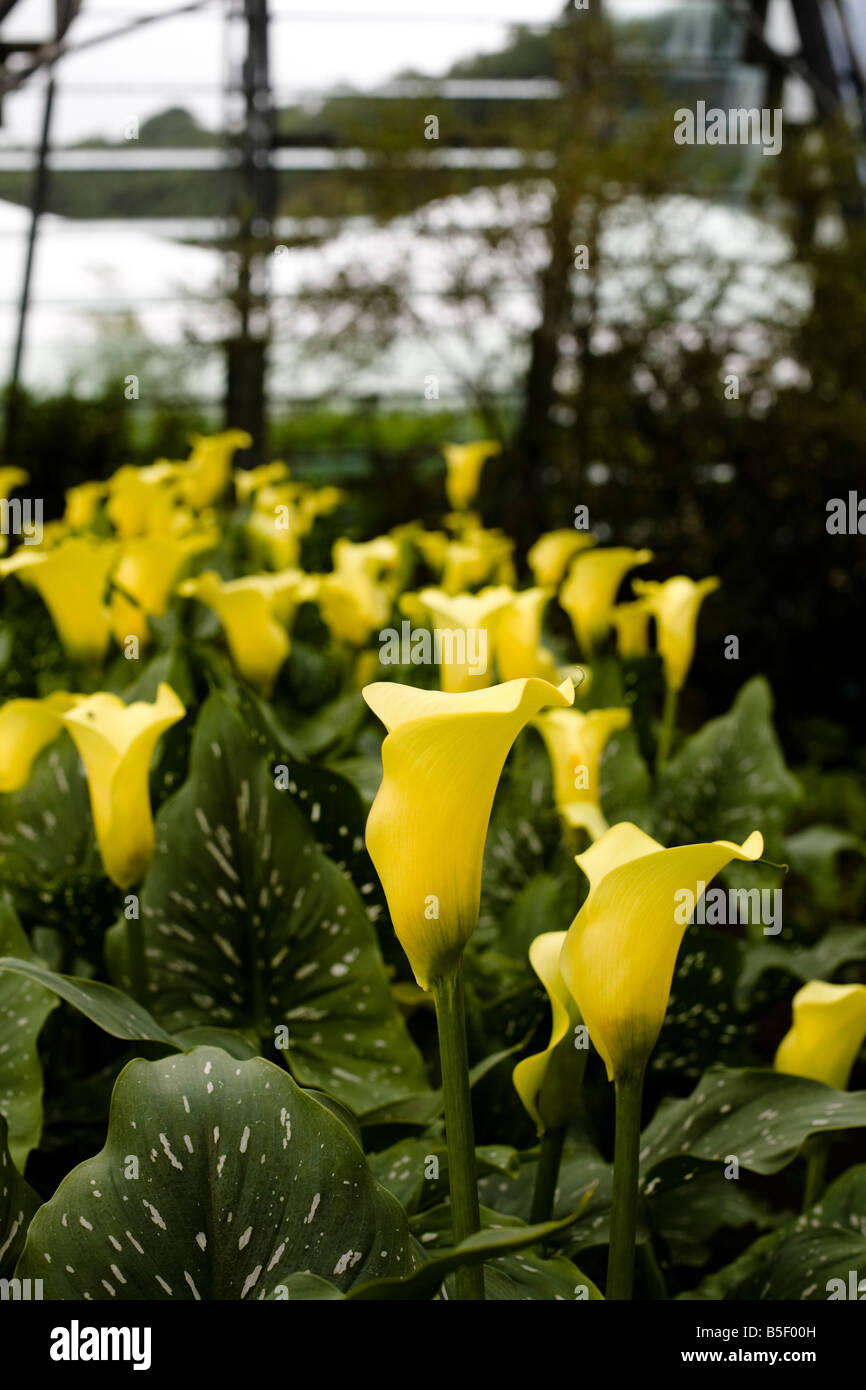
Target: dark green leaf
x: 24, y: 1007
x: 249, y: 926
x: 219, y: 1180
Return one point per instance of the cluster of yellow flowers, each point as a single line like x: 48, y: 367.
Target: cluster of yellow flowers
x: 116, y: 559
x: 122, y: 552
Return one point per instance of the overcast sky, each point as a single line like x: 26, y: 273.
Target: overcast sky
x: 315, y: 44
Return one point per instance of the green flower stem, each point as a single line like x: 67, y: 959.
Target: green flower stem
x: 547, y: 1175
x: 463, y: 1181
x: 666, y: 733
x: 623, y: 1217
x: 817, y: 1154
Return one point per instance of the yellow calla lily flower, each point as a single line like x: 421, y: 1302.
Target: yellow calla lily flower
x: 631, y: 621
x: 26, y: 727
x: 589, y: 591
x: 249, y: 481
x: 674, y: 605
x: 274, y: 539
x: 575, y: 743
x: 551, y: 555
x: 282, y: 514
x: 464, y: 463
x: 479, y: 556
x: 549, y: 1082
x: 82, y: 504
x: 204, y: 477
x: 146, y: 577
x: 352, y: 610
x: 470, y: 619
x: 355, y: 600
x: 255, y: 612
x: 519, y: 649
x: 12, y: 477
x: 149, y: 566
x: 116, y: 743
x: 141, y: 500
x: 321, y: 501
x: 71, y: 580
x: 827, y: 1033
x: 621, y: 949
x: 441, y: 762
x: 432, y: 547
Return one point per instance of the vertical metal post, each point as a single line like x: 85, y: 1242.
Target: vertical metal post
x: 255, y: 200
x: 37, y: 205
x: 64, y: 13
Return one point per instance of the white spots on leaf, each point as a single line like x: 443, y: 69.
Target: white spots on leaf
x: 154, y: 1215
x: 346, y: 1261
x: 172, y: 1158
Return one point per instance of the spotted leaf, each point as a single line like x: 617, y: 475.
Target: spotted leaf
x: 219, y: 1180
x: 248, y: 925
x: 24, y: 1007
x: 18, y: 1202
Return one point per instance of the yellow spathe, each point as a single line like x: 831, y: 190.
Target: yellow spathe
x: 141, y: 500
x: 12, y: 477
x: 71, y: 579
x: 471, y: 620
x: 549, y: 1082
x: 519, y: 650
x: 575, y: 744
x: 355, y: 600
x: 464, y: 463
x: 551, y: 555
x: 630, y: 622
x: 116, y: 743
x: 283, y: 513
x: 827, y: 1033
x: 621, y: 949
x: 674, y: 605
x: 82, y: 505
x: 26, y: 727
x: 249, y: 481
x: 254, y: 612
x: 589, y: 591
x: 149, y: 566
x: 204, y: 477
x: 441, y: 763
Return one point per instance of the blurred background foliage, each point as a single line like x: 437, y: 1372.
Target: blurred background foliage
x: 614, y: 396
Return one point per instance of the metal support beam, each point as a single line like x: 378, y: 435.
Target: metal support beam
x: 254, y: 207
